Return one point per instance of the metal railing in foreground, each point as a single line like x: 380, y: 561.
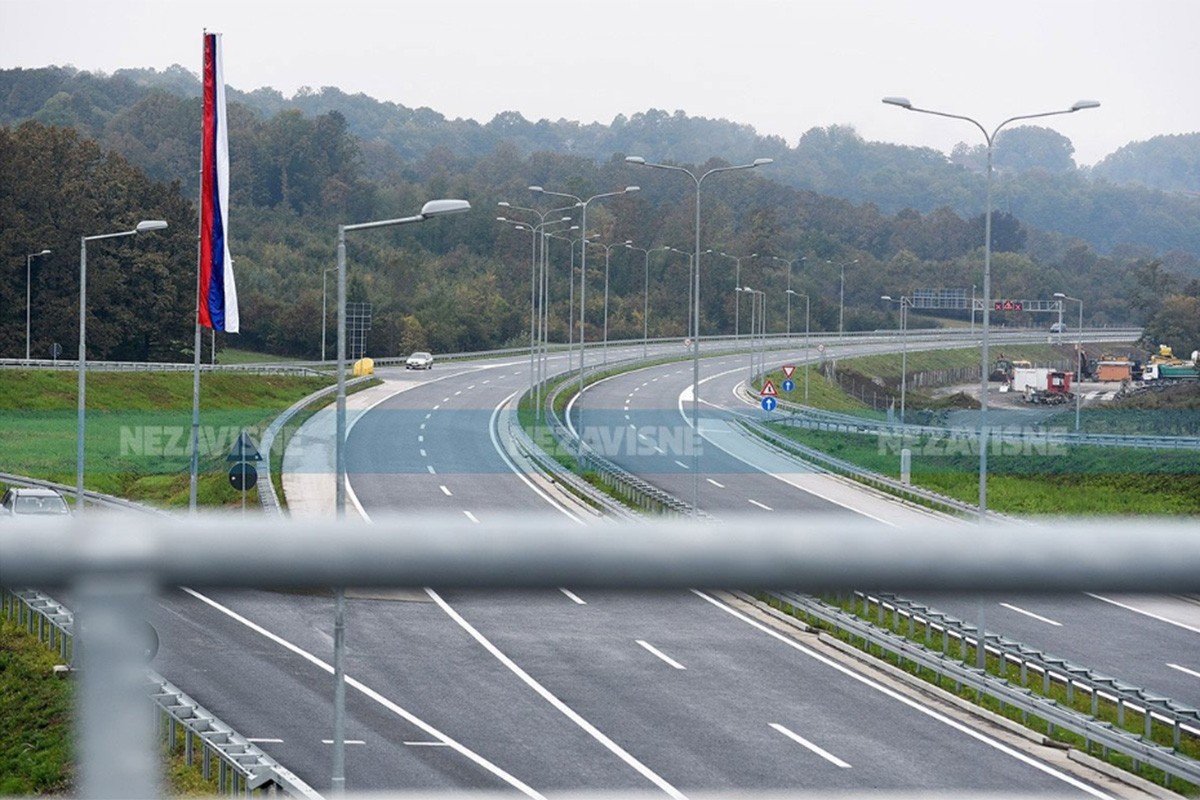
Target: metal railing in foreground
x: 113, y: 560
x: 242, y: 768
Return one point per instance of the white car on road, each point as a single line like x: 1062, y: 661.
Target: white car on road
x: 419, y: 360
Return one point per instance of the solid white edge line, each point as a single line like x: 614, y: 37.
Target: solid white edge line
x: 372, y: 694
x: 1031, y: 615
x: 1184, y: 670
x: 654, y: 651
x: 503, y: 455
x: 1143, y: 613
x: 913, y: 704
x: 800, y: 740
x: 576, y: 599
x: 347, y: 741
x: 264, y: 741
x: 558, y: 704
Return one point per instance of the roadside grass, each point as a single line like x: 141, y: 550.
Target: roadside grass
x: 1082, y: 480
x: 235, y: 355
x: 954, y: 649
x: 36, y: 745
x: 138, y: 429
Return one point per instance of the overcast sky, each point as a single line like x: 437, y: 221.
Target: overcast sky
x: 783, y: 66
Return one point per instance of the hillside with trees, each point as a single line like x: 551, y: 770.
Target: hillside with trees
x: 102, y: 152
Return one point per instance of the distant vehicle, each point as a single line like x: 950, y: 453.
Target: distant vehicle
x: 30, y: 502
x: 1058, y: 327
x: 419, y: 360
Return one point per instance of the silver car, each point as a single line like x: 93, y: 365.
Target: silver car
x: 419, y: 360
x: 22, y: 502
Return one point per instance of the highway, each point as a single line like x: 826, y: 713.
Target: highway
x: 554, y: 691
x: 1153, y: 642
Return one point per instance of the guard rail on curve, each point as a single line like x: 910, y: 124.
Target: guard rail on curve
x: 985, y: 685
x: 242, y: 768
x: 160, y: 366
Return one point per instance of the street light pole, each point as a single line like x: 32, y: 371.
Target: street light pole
x: 789, y: 291
x: 737, y: 281
x: 645, y: 293
x: 904, y: 304
x: 583, y: 206
x: 989, y: 138
x: 842, y: 301
x: 142, y: 227
x: 758, y: 162
x: 1078, y: 349
x: 324, y: 313
x: 28, y: 296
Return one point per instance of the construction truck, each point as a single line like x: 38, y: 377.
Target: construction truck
x: 1042, y: 385
x: 1164, y: 368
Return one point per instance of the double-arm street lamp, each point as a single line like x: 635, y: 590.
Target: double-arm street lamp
x: 790, y: 294
x: 737, y: 308
x: 607, y: 252
x: 691, y: 257
x: 142, y: 227
x: 905, y: 303
x: 789, y: 291
x: 1078, y: 352
x: 28, y: 296
x: 698, y: 181
x: 645, y: 293
x: 990, y: 139
x: 842, y: 297
x: 582, y: 204
x: 757, y: 322
x: 571, y: 294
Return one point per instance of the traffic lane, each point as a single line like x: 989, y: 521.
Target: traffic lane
x: 1136, y: 649
x: 410, y: 655
x: 285, y: 702
x: 703, y: 704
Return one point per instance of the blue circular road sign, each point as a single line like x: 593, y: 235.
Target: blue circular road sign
x: 769, y: 403
x: 788, y: 385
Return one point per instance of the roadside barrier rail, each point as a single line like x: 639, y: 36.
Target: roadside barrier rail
x: 1093, y: 731
x: 242, y: 768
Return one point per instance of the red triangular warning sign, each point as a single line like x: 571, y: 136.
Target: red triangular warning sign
x: 768, y: 390
x: 788, y: 370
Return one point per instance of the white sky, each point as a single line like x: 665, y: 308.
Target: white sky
x: 783, y: 66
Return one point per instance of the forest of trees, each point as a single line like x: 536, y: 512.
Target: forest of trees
x: 85, y: 154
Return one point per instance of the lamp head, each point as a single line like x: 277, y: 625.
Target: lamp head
x: 1059, y: 294
x: 503, y: 204
x: 753, y: 255
x: 1080, y: 105
x: 887, y: 297
x: 536, y: 189
x: 43, y: 253
x: 903, y: 102
x: 634, y: 160
x: 631, y: 189
x: 501, y: 219
x: 762, y: 162
x: 437, y: 208
x: 150, y: 225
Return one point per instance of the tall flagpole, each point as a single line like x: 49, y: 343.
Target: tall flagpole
x: 194, y: 471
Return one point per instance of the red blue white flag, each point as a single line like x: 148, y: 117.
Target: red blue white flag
x: 216, y: 304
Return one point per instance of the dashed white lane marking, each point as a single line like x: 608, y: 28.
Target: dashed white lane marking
x: 680, y: 463
x: 909, y: 702
x: 660, y: 654
x: 427, y: 416
x: 760, y: 505
x: 558, y: 704
x: 439, y: 405
x: 800, y: 740
x: 456, y: 394
x: 1185, y: 670
x: 422, y: 426
x: 445, y: 399
x: 469, y: 388
x: 423, y: 453
x: 359, y: 686
x: 1032, y: 615
x: 471, y: 516
x: 445, y: 490
x: 420, y: 438
x: 264, y: 741
x: 426, y: 744
x: 489, y: 380
x: 430, y: 468
x: 714, y: 483
x: 348, y: 741
x: 576, y: 599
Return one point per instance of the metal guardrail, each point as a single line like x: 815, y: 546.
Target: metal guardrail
x: 96, y: 498
x: 242, y: 767
x: 639, y: 493
x: 1072, y: 677
x: 1093, y: 731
